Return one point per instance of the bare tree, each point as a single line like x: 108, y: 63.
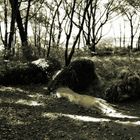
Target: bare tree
x: 96, y: 18
x: 124, y: 35
x: 16, y: 16
x: 6, y: 22
x: 131, y: 14
x: 4, y: 38
x: 27, y: 16
x: 69, y: 27
x: 52, y: 25
x: 120, y: 38
x: 60, y: 20
x: 12, y: 25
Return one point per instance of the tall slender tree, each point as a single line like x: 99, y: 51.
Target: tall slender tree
x: 130, y: 13
x: 15, y: 5
x: 70, y: 27
x: 97, y: 16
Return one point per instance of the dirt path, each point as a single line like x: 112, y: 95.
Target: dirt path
x: 26, y: 113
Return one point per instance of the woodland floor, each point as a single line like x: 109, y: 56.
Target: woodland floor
x: 27, y: 113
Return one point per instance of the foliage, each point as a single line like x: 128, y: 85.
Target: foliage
x: 58, y: 54
x: 134, y: 3
x: 117, y: 72
x: 80, y: 75
x: 14, y: 73
x: 125, y: 89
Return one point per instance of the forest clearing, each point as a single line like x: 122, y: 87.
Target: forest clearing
x: 29, y: 112
x: 70, y: 70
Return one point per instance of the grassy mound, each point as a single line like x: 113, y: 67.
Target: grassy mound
x: 79, y: 76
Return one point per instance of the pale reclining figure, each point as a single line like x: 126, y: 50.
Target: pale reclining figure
x: 90, y: 102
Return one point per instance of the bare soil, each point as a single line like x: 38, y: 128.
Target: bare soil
x: 28, y: 113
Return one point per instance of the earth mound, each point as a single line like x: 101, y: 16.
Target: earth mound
x: 80, y: 76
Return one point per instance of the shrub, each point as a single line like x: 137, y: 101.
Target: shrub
x: 36, y: 72
x: 125, y: 89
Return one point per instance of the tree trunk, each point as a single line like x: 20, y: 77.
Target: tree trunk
x: 12, y: 26
x: 23, y: 36
x: 132, y: 34
x: 6, y: 22
x: 14, y: 5
x: 68, y: 57
x: 27, y: 16
x: 138, y: 43
x: 51, y: 28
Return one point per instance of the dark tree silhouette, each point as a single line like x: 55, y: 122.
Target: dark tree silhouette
x: 16, y: 15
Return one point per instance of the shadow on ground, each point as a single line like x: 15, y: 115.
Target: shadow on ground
x: 26, y: 113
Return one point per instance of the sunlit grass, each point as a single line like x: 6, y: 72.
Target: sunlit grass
x: 29, y: 102
x: 12, y: 89
x: 20, y: 96
x: 75, y: 117
x: 135, y: 123
x: 90, y: 119
x: 37, y: 95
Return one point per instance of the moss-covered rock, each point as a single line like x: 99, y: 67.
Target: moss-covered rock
x: 35, y: 72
